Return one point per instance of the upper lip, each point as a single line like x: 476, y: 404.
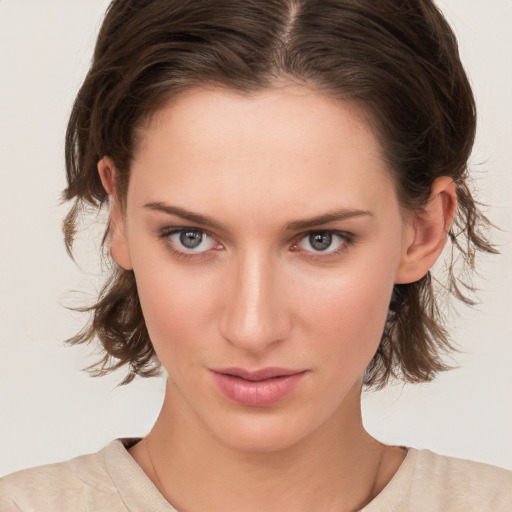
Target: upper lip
x: 256, y: 375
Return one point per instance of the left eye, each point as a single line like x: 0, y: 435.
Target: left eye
x: 192, y: 240
x: 322, y: 241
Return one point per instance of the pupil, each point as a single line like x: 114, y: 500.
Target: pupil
x: 191, y: 239
x: 320, y: 241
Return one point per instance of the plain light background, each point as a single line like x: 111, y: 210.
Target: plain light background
x: 50, y: 410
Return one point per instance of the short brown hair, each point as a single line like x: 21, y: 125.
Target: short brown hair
x: 396, y: 58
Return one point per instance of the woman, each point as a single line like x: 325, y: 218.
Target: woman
x: 281, y: 176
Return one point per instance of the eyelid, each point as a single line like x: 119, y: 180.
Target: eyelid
x: 171, y: 230
x: 333, y: 234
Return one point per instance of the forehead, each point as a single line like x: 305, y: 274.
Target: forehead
x: 266, y: 147
x: 291, y: 116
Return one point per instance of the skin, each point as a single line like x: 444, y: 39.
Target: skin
x: 255, y: 294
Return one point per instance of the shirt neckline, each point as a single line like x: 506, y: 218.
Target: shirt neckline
x: 138, y: 491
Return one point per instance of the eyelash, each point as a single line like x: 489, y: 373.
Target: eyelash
x: 346, y: 240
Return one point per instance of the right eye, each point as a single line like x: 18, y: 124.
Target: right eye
x: 189, y: 242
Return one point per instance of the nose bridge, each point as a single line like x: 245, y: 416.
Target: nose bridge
x: 255, y: 317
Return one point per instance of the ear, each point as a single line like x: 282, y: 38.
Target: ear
x: 426, y: 232
x: 117, y: 237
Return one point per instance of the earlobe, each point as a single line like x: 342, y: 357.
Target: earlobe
x: 426, y: 232
x: 119, y: 249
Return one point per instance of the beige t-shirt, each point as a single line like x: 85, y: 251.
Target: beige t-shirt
x: 111, y: 481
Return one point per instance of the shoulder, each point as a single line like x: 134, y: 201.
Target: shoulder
x: 428, y: 482
x: 450, y: 470
x: 72, y: 485
x: 432, y: 482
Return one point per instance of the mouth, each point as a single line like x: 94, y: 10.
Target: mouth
x: 259, y: 388
x: 257, y: 375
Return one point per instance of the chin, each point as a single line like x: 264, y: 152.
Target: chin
x: 262, y: 433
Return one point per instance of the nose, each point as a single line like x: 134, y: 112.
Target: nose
x: 256, y: 314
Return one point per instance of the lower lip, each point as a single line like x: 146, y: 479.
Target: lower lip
x: 261, y: 393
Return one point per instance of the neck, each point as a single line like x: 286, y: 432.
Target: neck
x: 337, y: 467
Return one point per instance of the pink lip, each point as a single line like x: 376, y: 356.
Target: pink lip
x: 260, y: 388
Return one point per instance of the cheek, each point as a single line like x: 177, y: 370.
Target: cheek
x: 337, y: 315
x: 348, y: 315
x: 176, y: 307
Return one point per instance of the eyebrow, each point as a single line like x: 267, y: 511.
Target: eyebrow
x: 332, y: 216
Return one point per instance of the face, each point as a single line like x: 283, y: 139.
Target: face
x: 265, y: 237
